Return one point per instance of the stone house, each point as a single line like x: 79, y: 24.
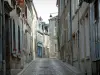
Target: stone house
x: 15, y: 18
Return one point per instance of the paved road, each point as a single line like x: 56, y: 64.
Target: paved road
x: 47, y: 67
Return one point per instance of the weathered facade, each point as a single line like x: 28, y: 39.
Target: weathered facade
x: 53, y: 24
x: 80, y: 21
x: 29, y: 32
x: 14, y: 20
x: 80, y: 33
x: 94, y: 36
x: 63, y: 42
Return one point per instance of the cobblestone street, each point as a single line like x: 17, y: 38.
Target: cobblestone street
x: 48, y: 67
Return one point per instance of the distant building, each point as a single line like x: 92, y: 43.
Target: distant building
x: 42, y: 39
x: 39, y: 38
x: 53, y: 24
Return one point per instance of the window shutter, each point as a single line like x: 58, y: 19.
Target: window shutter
x: 69, y: 27
x: 92, y: 34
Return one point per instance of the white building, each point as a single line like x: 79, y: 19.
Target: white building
x: 18, y: 26
x: 29, y: 33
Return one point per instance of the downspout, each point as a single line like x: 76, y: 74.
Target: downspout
x: 78, y: 40
x: 1, y: 40
x: 71, y: 42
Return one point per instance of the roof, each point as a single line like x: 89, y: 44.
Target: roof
x: 35, y: 10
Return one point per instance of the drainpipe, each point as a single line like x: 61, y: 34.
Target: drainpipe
x: 3, y: 30
x: 1, y: 41
x: 71, y: 31
x: 78, y: 40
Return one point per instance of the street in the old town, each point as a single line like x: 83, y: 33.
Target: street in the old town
x: 49, y: 67
x: 49, y: 37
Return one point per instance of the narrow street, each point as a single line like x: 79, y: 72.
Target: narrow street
x: 48, y: 67
x: 50, y: 37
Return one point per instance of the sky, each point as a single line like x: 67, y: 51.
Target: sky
x: 45, y: 7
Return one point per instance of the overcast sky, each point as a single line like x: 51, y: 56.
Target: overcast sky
x: 45, y: 7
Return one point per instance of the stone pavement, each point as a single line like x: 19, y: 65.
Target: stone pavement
x: 49, y: 67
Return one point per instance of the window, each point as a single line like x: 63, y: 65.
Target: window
x: 18, y: 10
x: 19, y: 38
x: 26, y: 11
x: 96, y: 10
x: 69, y: 38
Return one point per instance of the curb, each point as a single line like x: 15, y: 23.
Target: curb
x: 20, y: 73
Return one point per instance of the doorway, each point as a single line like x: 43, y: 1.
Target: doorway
x: 39, y: 51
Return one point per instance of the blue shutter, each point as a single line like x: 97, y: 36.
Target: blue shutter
x: 16, y: 35
x: 92, y: 34
x: 96, y: 41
